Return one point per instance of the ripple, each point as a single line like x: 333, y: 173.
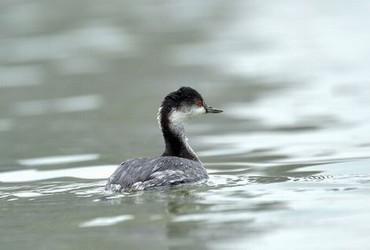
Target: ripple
x: 354, y: 167
x: 63, y: 105
x: 215, y: 217
x: 91, y: 172
x: 20, y: 76
x: 79, y: 42
x: 34, y: 190
x: 106, y: 221
x: 60, y: 159
x: 308, y: 147
x: 27, y: 194
x: 6, y: 124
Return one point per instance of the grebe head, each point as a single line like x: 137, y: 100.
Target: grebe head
x: 176, y: 108
x: 180, y: 105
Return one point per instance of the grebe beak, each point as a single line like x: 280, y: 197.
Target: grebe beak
x: 209, y: 109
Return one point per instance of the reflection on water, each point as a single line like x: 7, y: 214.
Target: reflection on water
x: 20, y: 76
x: 106, y: 221
x: 80, y: 84
x: 5, y: 124
x: 69, y: 104
x: 62, y: 159
x: 96, y: 172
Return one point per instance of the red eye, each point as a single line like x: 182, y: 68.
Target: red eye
x: 199, y: 102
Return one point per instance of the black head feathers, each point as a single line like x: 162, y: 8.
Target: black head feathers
x: 182, y: 96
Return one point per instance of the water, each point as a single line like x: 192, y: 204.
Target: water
x: 288, y: 159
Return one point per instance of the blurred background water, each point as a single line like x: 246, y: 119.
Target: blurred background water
x: 289, y: 159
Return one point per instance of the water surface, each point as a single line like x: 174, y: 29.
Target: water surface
x: 289, y: 159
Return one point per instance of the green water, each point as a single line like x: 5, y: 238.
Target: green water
x: 80, y: 86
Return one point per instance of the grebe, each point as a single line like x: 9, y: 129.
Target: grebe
x: 178, y: 164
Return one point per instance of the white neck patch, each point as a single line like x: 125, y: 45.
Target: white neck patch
x: 178, y: 118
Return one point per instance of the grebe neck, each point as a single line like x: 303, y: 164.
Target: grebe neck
x: 171, y: 123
